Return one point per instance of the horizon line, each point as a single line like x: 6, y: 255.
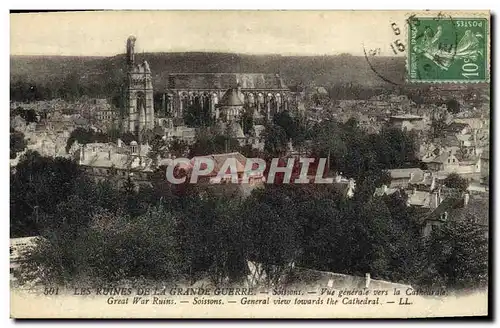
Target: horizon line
x: 344, y: 54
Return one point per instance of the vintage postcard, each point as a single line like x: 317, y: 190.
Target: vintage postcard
x: 249, y: 164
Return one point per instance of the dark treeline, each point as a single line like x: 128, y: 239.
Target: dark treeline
x: 350, y: 149
x: 167, y: 232
x: 17, y: 143
x: 71, y: 88
x: 357, y: 153
x: 352, y: 91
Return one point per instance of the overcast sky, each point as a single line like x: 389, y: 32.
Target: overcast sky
x: 257, y: 32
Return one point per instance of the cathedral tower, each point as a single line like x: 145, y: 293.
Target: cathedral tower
x: 139, y: 92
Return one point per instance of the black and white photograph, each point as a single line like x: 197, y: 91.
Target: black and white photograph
x: 249, y: 164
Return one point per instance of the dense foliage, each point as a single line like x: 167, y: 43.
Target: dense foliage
x: 100, y: 232
x: 17, y: 143
x: 456, y: 181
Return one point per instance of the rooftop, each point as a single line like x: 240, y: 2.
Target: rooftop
x: 224, y: 81
x: 419, y: 198
x: 232, y: 97
x: 405, y: 173
x: 456, y: 127
x: 384, y: 190
x: 406, y: 117
x: 219, y: 159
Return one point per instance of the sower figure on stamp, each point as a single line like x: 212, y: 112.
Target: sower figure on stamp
x: 444, y: 55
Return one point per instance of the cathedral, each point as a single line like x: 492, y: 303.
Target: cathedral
x: 224, y: 95
x: 264, y: 92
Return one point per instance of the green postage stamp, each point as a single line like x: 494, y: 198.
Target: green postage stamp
x: 448, y: 49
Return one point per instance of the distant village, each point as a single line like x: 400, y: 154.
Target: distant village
x: 460, y: 146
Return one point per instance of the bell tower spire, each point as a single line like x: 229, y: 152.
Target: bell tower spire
x: 131, y: 51
x: 139, y: 92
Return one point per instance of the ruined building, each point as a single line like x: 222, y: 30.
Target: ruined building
x: 224, y: 95
x: 265, y: 92
x: 139, y: 93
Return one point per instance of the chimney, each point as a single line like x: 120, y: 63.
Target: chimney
x: 367, y: 280
x: 82, y: 153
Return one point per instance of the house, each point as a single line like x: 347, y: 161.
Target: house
x: 446, y: 161
x: 385, y: 191
x: 421, y: 199
x: 440, y: 214
x: 475, y: 123
x: 407, y: 122
x: 427, y: 182
x: 428, y: 151
x: 344, y: 186
x: 461, y: 160
x: 458, y: 128
x: 401, y: 177
x: 182, y: 132
x: 117, y: 161
x: 457, y: 207
x: 219, y: 160
x: 213, y: 180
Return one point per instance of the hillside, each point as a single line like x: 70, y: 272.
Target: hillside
x: 320, y: 70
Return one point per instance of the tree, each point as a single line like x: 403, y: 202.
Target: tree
x: 130, y: 194
x: 324, y: 227
x: 275, y: 140
x: 17, y: 143
x: 81, y: 135
x: 128, y: 137
x: 207, y: 144
x: 438, y: 124
x: 292, y: 126
x: 453, y: 180
x: 159, y: 149
x: 395, y: 148
x: 38, y: 185
x: 247, y: 121
x: 457, y: 254
x: 177, y: 147
x: 463, y: 153
x: 273, y: 234
x: 121, y: 248
x: 453, y: 106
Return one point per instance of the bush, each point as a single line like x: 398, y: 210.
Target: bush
x: 456, y: 181
x: 112, y: 248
